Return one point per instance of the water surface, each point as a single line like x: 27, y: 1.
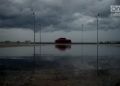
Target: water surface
x: 60, y: 65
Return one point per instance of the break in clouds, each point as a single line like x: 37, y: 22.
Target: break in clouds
x: 55, y: 15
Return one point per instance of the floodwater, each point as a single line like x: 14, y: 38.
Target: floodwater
x: 60, y: 65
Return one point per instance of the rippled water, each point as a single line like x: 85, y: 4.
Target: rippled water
x: 60, y: 65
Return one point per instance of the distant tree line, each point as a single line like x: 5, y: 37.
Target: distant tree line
x: 30, y: 42
x: 15, y: 42
x: 110, y: 42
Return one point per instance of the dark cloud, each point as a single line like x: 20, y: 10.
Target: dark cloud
x: 54, y: 15
x: 117, y: 2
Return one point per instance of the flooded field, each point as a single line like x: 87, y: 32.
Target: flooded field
x: 60, y: 65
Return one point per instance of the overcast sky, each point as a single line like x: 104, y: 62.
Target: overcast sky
x: 58, y: 18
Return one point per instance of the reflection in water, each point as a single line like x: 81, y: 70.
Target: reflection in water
x: 63, y: 47
x: 62, y: 71
x: 56, y: 70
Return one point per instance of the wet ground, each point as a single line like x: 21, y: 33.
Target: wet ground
x: 50, y: 65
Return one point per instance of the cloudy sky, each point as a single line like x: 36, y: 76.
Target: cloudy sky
x: 58, y: 18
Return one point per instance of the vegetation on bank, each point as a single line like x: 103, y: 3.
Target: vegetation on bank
x: 30, y: 42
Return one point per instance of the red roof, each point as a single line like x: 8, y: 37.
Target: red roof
x: 62, y: 40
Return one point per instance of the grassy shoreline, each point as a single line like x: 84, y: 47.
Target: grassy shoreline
x: 22, y: 45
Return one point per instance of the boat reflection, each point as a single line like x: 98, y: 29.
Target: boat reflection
x: 62, y: 47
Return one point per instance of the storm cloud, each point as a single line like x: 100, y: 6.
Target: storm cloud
x: 54, y: 15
